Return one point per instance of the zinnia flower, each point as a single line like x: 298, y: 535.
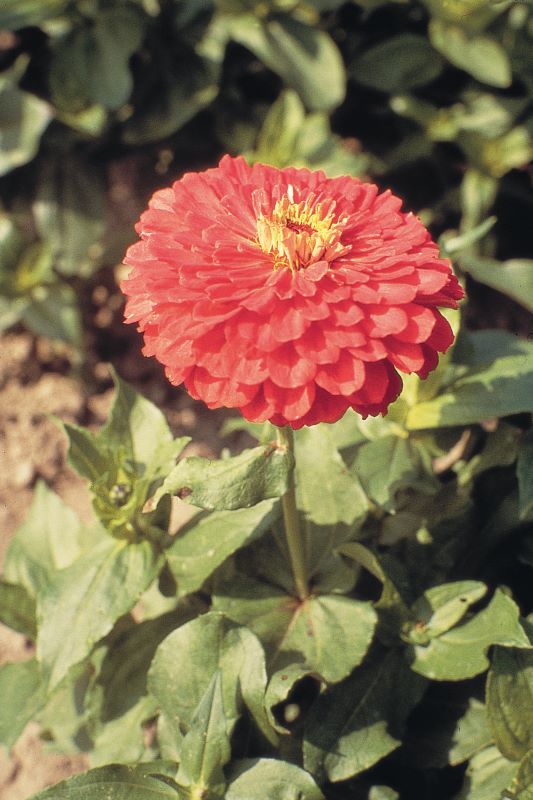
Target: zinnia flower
x: 287, y: 294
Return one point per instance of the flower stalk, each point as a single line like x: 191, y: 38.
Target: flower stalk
x: 293, y: 534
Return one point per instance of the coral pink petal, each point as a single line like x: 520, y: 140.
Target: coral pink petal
x: 287, y: 294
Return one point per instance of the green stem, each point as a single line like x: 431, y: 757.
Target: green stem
x: 293, y: 535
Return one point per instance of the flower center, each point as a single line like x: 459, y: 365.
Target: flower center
x: 300, y: 234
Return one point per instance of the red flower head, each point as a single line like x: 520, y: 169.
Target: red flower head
x: 287, y: 294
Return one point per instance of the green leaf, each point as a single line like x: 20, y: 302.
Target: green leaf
x: 330, y: 498
x: 90, y: 65
x: 472, y: 733
x: 87, y: 598
x: 23, y: 120
x: 85, y: 454
x: 121, y: 740
x: 281, y: 686
x: 442, y: 607
x: 54, y: 312
x: 390, y: 464
x: 358, y: 722
x: 181, y: 92
x: 391, y: 607
x: 299, y: 54
x: 460, y: 653
x: 16, y: 14
x: 226, y: 484
x: 204, y: 544
x: 397, y: 64
x: 513, y: 278
x: 69, y: 213
x: 186, y: 661
x: 22, y: 697
x: 487, y: 775
x: 510, y: 701
x: 123, y: 672
x: 277, y: 140
x: 454, y: 244
x: 478, y: 193
x: 117, y: 34
x: 521, y: 787
x: 206, y: 747
x: 138, y: 425
x: 116, y: 782
x: 501, y: 388
x: 269, y: 779
x: 524, y: 471
x: 482, y: 57
x: 17, y: 609
x: 50, y: 538
x: 330, y: 632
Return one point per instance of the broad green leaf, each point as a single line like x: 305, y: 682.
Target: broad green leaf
x: 521, y: 787
x: 277, y: 140
x: 461, y: 652
x: 65, y: 718
x: 180, y: 94
x: 482, y: 57
x: 391, y: 607
x: 472, y: 734
x: 299, y: 54
x: 16, y: 14
x: 87, y: 598
x: 514, y: 277
x: 270, y: 779
x: 477, y: 349
x: 187, y: 659
x: 17, y: 609
x: 117, y: 34
x: 123, y: 672
x: 524, y: 471
x: 138, y: 425
x: 85, y: 454
x: 121, y: 740
x: 442, y: 607
x: 69, y: 213
x: 496, y: 157
x: 332, y: 503
x: 450, y: 245
x: 90, y: 65
x: 50, y: 538
x: 331, y: 633
x: 227, y: 484
x: 23, y: 119
x: 54, y: 312
x: 289, y: 137
x: 502, y: 388
x: 206, y: 747
x: 283, y: 685
x: 510, y: 701
x: 358, y: 722
x: 397, y: 64
x: 487, y: 775
x: 393, y: 463
x: 204, y: 544
x: 478, y: 193
x: 152, y: 781
x: 22, y: 696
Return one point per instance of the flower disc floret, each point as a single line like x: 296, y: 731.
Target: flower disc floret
x: 287, y: 294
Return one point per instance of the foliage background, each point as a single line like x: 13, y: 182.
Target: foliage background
x: 102, y: 102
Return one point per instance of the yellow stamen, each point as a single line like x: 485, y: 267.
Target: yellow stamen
x: 300, y: 234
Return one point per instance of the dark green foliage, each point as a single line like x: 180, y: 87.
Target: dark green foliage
x: 407, y: 673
